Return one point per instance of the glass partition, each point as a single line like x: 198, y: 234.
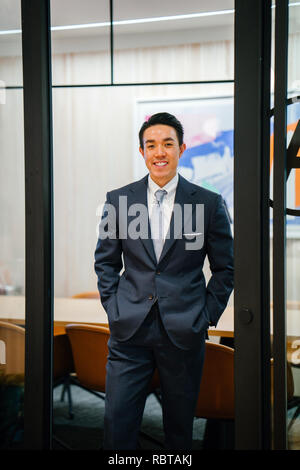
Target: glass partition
x: 292, y: 224
x: 170, y: 42
x: 80, y: 42
x: 96, y: 150
x: 11, y: 73
x: 12, y: 228
x: 293, y: 231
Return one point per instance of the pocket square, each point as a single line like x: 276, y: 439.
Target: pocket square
x: 192, y: 234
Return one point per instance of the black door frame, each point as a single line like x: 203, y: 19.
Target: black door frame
x: 38, y: 224
x: 279, y: 226
x: 254, y: 416
x: 251, y: 232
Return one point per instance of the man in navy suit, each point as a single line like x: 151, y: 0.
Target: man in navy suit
x: 158, y: 231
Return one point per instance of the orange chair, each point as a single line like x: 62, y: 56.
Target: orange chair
x: 216, y: 396
x: 12, y: 349
x: 87, y: 295
x: 12, y: 354
x: 12, y: 366
x: 90, y: 351
x: 89, y: 342
x: 63, y: 365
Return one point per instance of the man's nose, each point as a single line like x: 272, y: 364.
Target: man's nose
x: 160, y: 150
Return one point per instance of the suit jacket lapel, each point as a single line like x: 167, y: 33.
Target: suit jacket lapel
x: 140, y: 196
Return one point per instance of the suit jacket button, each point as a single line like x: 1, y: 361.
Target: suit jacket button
x: 150, y: 297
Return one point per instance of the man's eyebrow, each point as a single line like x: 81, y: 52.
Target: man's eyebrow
x: 153, y: 140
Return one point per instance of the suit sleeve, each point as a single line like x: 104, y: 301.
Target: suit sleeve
x: 220, y: 256
x: 108, y: 254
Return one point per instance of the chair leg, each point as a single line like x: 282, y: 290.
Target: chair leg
x: 61, y: 443
x: 67, y: 388
x: 74, y: 381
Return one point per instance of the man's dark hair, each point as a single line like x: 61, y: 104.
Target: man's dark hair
x: 162, y: 118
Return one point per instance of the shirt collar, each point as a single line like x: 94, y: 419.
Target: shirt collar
x: 170, y: 187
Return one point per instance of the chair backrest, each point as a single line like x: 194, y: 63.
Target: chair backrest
x: 62, y: 354
x: 216, y: 396
x: 89, y: 349
x: 12, y: 348
x: 87, y: 295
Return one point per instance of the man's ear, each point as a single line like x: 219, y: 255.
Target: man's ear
x: 142, y: 151
x: 182, y: 149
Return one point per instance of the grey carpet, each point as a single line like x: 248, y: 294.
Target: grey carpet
x: 85, y: 430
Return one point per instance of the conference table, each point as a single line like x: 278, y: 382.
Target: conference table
x: 72, y: 310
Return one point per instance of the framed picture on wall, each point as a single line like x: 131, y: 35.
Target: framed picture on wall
x: 208, y: 134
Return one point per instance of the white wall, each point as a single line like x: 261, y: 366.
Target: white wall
x: 93, y: 145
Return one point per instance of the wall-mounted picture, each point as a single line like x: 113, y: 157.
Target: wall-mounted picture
x: 208, y: 134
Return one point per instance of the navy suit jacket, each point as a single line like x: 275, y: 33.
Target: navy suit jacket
x: 186, y: 304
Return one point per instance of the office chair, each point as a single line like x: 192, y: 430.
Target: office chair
x: 216, y: 396
x: 87, y: 295
x: 89, y: 347
x: 63, y: 364
x: 12, y: 363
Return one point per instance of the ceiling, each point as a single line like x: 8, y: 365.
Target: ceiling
x: 77, y: 12
x: 66, y: 12
x: 70, y: 12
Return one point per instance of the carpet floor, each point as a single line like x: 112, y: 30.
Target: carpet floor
x: 85, y: 430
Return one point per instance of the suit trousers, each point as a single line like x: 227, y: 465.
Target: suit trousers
x: 130, y: 367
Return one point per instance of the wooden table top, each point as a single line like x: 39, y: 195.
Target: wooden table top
x: 71, y: 310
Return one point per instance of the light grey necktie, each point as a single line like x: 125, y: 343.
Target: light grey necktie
x: 157, y: 221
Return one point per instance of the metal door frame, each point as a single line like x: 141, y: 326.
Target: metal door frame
x: 253, y: 414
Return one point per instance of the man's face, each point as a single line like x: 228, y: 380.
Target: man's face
x: 161, y: 152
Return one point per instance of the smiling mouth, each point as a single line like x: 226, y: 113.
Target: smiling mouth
x: 160, y: 164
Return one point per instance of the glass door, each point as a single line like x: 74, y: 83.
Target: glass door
x: 267, y: 220
x: 12, y: 229
x: 293, y: 229
x: 107, y: 79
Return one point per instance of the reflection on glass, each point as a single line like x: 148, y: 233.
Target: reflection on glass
x: 12, y: 230
x: 166, y: 42
x: 292, y: 226
x: 293, y: 234
x: 11, y: 73
x: 80, y: 34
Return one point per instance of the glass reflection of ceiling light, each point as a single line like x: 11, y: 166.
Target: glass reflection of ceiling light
x: 138, y: 20
x: 129, y: 22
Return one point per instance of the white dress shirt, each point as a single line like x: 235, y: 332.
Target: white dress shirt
x: 167, y: 203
